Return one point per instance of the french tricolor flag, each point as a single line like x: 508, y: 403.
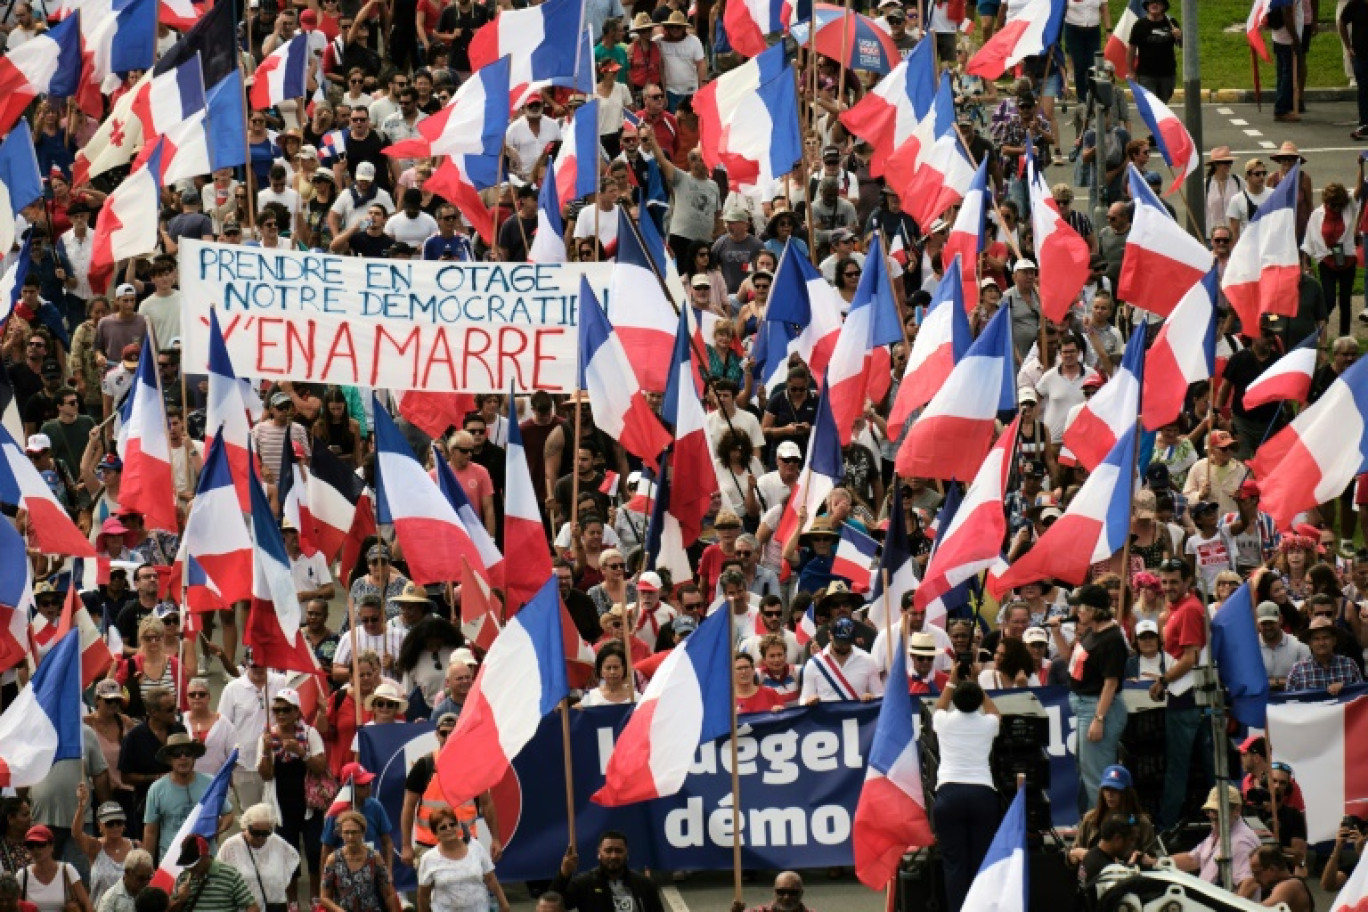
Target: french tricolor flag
x: 1264, y: 269
x: 931, y: 170
x: 226, y: 414
x: 524, y: 532
x: 577, y: 162
x: 16, y: 596
x: 620, y: 407
x: 128, y: 222
x: 971, y: 540
x: 334, y: 145
x: 1183, y: 353
x: 1172, y: 138
x: 642, y: 315
x: 955, y: 430
x: 215, y: 534
x: 43, y: 723
x: 806, y: 631
x: 896, y: 573
x: 1322, y: 738
x: 534, y: 39
x: 50, y: 63
x: 966, y: 235
x: 472, y: 123
x: 548, y: 241
x: 859, y: 368
x: 337, y: 499
x: 1111, y: 411
x: 201, y: 824
x: 748, y: 22
x: 282, y: 74
x: 891, y: 814
x: 427, y: 526
x: 1000, y: 884
x: 748, y: 123
x: 803, y: 319
x: 118, y: 36
x: 50, y: 527
x: 1023, y: 35
x: 1162, y: 261
x: 274, y: 618
x: 490, y: 561
x: 942, y: 340
x: 178, y: 14
x: 1289, y: 379
x: 479, y: 622
x: 687, y: 703
x: 888, y: 113
x: 665, y: 546
x: 691, y: 457
x: 95, y: 655
x: 1093, y: 528
x: 1316, y: 456
x: 172, y: 106
x: 1254, y: 24
x: 148, y: 485
x: 1063, y: 255
x: 20, y: 185
x: 855, y: 558
x: 1117, y: 50
x: 520, y: 682
x: 823, y: 469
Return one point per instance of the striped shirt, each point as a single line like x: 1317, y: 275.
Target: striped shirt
x: 223, y: 889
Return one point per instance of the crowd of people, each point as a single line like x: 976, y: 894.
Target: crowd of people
x: 90, y: 836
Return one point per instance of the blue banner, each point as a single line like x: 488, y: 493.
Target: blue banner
x: 800, y: 776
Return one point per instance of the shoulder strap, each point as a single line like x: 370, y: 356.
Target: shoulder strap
x: 265, y: 900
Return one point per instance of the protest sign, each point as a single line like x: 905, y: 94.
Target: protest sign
x: 390, y: 324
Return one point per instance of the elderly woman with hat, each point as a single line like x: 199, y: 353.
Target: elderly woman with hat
x: 106, y: 854
x: 291, y: 751
x: 812, y: 553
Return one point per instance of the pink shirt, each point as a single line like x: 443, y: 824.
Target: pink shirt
x: 476, y: 482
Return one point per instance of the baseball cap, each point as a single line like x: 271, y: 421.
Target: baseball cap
x: 1146, y: 627
x: 1024, y: 263
x: 1220, y: 439
x: 833, y: 152
x: 280, y: 399
x: 701, y: 280
x: 788, y: 450
x: 192, y: 850
x: 735, y: 214
x: 1248, y: 488
x: 111, y: 810
x: 1035, y: 635
x: 1256, y: 744
x: 38, y: 833
x: 125, y: 289
x: 111, y: 463
x: 357, y: 773
x: 843, y: 629
x: 1093, y: 381
x: 289, y: 695
x: 365, y: 171
x: 1115, y: 777
x: 130, y: 355
x: 446, y: 719
x: 37, y: 443
x: 684, y: 624
x: 649, y: 582
x: 1268, y: 611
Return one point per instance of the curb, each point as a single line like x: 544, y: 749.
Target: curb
x: 1246, y: 96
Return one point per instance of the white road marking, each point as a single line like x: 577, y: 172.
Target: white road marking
x: 1253, y: 132
x: 1305, y: 151
x: 673, y: 900
x: 1268, y: 145
x: 1225, y: 111
x: 1238, y: 122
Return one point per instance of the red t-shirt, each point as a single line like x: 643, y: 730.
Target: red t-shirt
x: 763, y: 700
x: 710, y: 567
x: 1186, y: 627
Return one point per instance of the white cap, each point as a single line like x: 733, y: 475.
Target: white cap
x: 1035, y: 635
x: 788, y: 450
x: 289, y: 695
x: 464, y: 655
x: 1023, y: 263
x: 37, y: 443
x: 649, y: 582
x: 365, y: 171
x: 125, y: 289
x: 1143, y: 627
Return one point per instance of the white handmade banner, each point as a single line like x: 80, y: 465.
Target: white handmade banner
x: 389, y: 324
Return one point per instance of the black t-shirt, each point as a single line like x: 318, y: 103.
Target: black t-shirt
x: 368, y: 150
x: 1093, y: 864
x: 1355, y: 16
x: 138, y: 755
x: 511, y: 236
x: 130, y: 616
x: 786, y: 413
x: 1103, y: 656
x: 1241, y: 370
x: 453, y: 18
x: 1154, y: 42
x: 365, y: 244
x: 40, y: 408
x: 420, y: 775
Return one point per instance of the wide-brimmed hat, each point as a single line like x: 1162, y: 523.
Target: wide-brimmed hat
x: 821, y: 528
x: 1213, y: 802
x: 642, y: 23
x: 1221, y: 154
x: 413, y: 594
x: 1145, y: 505
x: 922, y: 644
x: 677, y: 18
x: 836, y: 592
x: 386, y: 690
x: 1287, y: 150
x: 177, y: 741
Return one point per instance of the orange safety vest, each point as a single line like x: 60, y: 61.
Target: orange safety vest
x: 434, y: 798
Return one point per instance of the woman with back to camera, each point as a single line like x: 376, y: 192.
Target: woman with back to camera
x: 967, y: 808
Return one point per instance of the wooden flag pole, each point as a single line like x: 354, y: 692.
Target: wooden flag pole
x: 568, y: 763
x: 735, y: 776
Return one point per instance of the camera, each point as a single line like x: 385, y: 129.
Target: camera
x: 964, y: 662
x: 1351, y: 822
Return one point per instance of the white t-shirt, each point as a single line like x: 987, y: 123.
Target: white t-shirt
x: 457, y: 885
x: 164, y: 316
x: 744, y: 423
x: 527, y: 145
x: 607, y: 224
x: 412, y: 231
x: 1084, y: 13
x: 1059, y: 394
x: 289, y: 198
x: 1238, y: 210
x: 966, y: 740
x: 309, y: 572
x: 352, y: 215
x: 678, y: 64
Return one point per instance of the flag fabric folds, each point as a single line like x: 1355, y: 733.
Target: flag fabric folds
x: 148, y: 485
x: 1162, y: 261
x: 1288, y: 379
x: 1235, y: 649
x: 748, y: 121
x: 1183, y: 353
x: 1264, y: 269
x: 43, y: 723
x: 1000, y: 885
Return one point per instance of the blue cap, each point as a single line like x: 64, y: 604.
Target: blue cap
x: 684, y: 624
x: 1116, y: 777
x: 843, y: 629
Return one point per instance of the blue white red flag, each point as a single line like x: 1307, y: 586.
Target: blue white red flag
x: 1111, y: 411
x: 148, y: 485
x: 1288, y: 379
x: 855, y: 558
x: 1183, y: 353
x: 282, y: 74
x: 1162, y: 261
x: 202, y: 823
x: 1264, y: 269
x: 748, y: 123
x: 524, y: 532
x: 43, y: 723
x: 1000, y: 885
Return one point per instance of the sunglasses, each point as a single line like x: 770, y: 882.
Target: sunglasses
x: 178, y: 754
x: 259, y: 834
x: 199, y: 695
x: 384, y: 704
x: 614, y: 566
x: 466, y: 450
x: 36, y: 845
x: 771, y: 614
x: 282, y: 710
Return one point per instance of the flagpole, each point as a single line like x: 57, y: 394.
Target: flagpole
x: 248, y: 177
x: 845, y: 50
x: 802, y: 131
x: 1192, y: 217
x: 567, y: 763
x: 1130, y: 498
x: 888, y: 614
x: 574, y: 468
x: 735, y: 774
x: 628, y: 633
x: 355, y: 654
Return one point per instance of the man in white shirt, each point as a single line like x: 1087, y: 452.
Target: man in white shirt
x: 913, y: 621
x: 371, y: 635
x: 312, y: 578
x: 26, y: 28
x: 1061, y: 388
x: 728, y: 417
x: 600, y: 217
x: 651, y: 614
x: 529, y: 135
x: 279, y: 192
x: 411, y: 224
x: 771, y: 616
x: 1255, y: 191
x: 683, y: 63
x: 78, y: 243
x: 842, y: 671
x: 243, y: 704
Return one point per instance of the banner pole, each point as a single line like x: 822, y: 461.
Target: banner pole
x: 888, y: 613
x: 568, y: 763
x: 735, y: 774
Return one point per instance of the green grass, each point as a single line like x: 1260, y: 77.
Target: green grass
x: 1225, y: 54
